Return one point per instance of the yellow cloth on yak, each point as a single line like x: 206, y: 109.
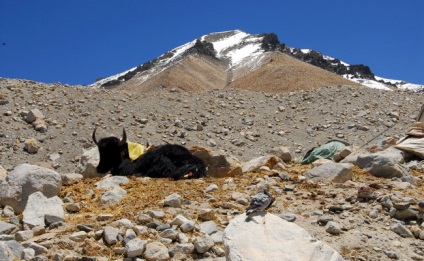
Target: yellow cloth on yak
x: 135, y: 150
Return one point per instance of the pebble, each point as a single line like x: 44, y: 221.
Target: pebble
x: 333, y: 228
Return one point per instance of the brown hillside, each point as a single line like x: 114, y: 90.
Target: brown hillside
x: 194, y: 73
x: 280, y: 73
x: 272, y: 72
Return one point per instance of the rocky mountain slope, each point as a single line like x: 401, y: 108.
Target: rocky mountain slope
x: 239, y: 60
x: 243, y: 123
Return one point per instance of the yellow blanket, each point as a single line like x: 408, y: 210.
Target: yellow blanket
x: 135, y: 150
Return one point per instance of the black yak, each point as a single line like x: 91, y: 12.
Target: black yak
x: 165, y: 161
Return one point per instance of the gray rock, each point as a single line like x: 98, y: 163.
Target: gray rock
x: 26, y: 179
x: 208, y: 227
x: 169, y: 233
x: 391, y: 254
x: 42, y: 211
x: 144, y: 219
x: 386, y: 164
x: 15, y: 246
x: 401, y: 230
x: 135, y: 247
x: 156, y: 251
x: 33, y: 115
x: 333, y: 228
x: 173, y: 200
x: 207, y: 214
x: 87, y: 165
x: 6, y: 253
x: 28, y: 254
x: 69, y: 177
x: 156, y: 214
x: 185, y: 248
x: 187, y: 226
x: 222, y: 164
x: 7, y: 228
x: 283, y: 153
x: 24, y: 235
x: 290, y: 217
x: 406, y: 214
x: 110, y: 235
x: 255, y: 164
x: 113, y: 197
x: 79, y: 236
x: 217, y: 237
x: 39, y: 249
x: 111, y: 182
x: 211, y: 187
x: 140, y: 230
x: 335, y: 172
x: 178, y: 220
x: 268, y: 237
x: 203, y: 244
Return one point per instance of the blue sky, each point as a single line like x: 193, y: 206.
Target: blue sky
x: 77, y: 41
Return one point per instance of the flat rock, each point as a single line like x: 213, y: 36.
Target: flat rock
x: 268, y: 237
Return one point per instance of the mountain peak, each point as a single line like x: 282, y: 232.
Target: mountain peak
x: 240, y: 53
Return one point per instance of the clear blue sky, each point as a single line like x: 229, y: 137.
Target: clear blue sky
x: 77, y: 41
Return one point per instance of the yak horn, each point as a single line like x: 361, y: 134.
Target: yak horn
x: 124, y: 138
x: 94, y: 136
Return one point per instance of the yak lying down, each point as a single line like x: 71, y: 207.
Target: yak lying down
x: 165, y: 161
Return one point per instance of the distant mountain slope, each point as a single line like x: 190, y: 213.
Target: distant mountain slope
x: 242, y: 60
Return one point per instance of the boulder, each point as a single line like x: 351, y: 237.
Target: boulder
x: 42, y: 211
x: 223, y: 165
x: 33, y: 115
x: 384, y: 164
x: 269, y: 161
x: 88, y: 163
x: 26, y: 179
x: 268, y: 237
x: 335, y: 172
x: 282, y: 152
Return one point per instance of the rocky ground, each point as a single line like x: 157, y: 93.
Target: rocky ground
x: 245, y: 124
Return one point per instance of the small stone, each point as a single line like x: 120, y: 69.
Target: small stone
x: 401, y: 230
x: 156, y: 214
x: 140, y: 230
x: 79, y: 236
x: 185, y: 248
x: 173, y: 200
x: 28, y: 254
x: 24, y: 235
x: 110, y: 235
x: 208, y: 227
x: 73, y: 207
x: 187, y: 226
x: 144, y: 219
x: 156, y: 251
x: 203, y: 244
x: 401, y: 205
x: 333, y: 228
x: 391, y: 254
x: 169, y: 233
x: 178, y: 220
x: 104, y: 217
x: 290, y: 217
x: 135, y: 247
x: 207, y: 214
x: 31, y: 146
x: 211, y: 187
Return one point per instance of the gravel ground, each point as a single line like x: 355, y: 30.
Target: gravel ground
x: 244, y: 123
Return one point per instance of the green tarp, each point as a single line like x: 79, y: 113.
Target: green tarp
x: 325, y: 151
